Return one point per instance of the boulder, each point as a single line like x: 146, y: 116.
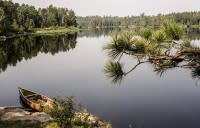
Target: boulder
x: 18, y: 114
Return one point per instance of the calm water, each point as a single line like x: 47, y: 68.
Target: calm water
x: 73, y: 66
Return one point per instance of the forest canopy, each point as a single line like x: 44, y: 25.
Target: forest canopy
x: 16, y: 18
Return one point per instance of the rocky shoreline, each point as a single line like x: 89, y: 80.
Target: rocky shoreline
x: 23, y: 115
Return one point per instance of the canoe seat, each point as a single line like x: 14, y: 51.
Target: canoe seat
x: 31, y: 95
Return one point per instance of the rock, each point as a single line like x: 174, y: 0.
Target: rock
x: 41, y: 116
x: 1, y: 113
x: 38, y: 114
x: 11, y: 115
x: 19, y: 114
x: 2, y: 108
x: 91, y: 119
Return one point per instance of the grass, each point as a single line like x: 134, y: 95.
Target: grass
x: 55, y: 30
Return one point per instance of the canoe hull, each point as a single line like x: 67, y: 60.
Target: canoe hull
x: 31, y: 105
x: 25, y: 97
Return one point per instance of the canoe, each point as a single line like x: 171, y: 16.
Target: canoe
x: 35, y: 101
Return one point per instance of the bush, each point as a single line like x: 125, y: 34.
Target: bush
x: 67, y: 114
x: 63, y: 112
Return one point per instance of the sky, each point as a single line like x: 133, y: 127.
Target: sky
x: 119, y: 7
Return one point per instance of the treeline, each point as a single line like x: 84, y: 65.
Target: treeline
x: 189, y: 19
x: 16, y: 18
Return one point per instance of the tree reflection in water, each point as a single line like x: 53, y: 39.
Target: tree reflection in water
x: 15, y: 50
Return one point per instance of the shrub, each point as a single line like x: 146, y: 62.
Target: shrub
x: 63, y: 111
x: 67, y: 114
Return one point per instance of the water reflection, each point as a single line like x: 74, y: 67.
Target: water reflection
x: 97, y: 32
x: 144, y: 99
x: 191, y: 33
x: 15, y: 50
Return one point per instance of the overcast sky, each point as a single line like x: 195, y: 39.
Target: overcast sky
x: 119, y: 7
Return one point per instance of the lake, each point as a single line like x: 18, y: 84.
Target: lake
x: 72, y: 65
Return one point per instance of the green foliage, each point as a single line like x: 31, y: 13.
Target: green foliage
x: 145, y: 33
x: 153, y: 49
x: 162, y: 52
x: 1, y: 14
x: 159, y: 36
x: 140, y: 45
x: 114, y: 70
x: 16, y: 18
x: 148, y: 43
x: 186, y: 44
x: 173, y: 30
x: 63, y: 111
x: 120, y: 42
x: 15, y: 26
x: 126, y: 42
x: 126, y: 37
x: 114, y: 50
x: 190, y: 19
